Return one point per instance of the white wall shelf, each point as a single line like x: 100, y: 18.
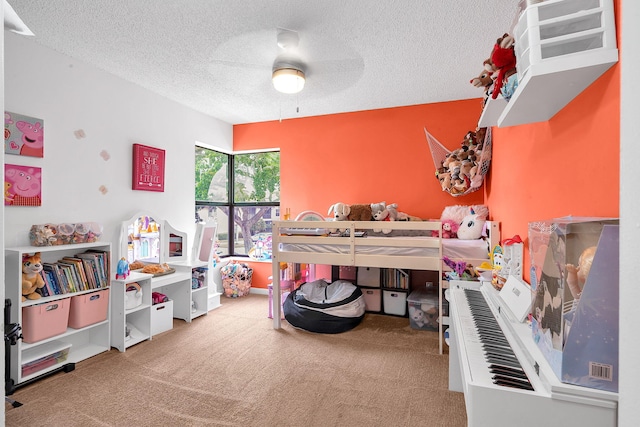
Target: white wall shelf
x: 562, y: 47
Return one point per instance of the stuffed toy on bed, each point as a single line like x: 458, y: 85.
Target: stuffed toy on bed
x: 380, y: 212
x: 395, y: 215
x: 344, y: 212
x: 471, y: 226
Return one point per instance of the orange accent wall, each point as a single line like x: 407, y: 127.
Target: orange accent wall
x: 364, y: 157
x: 569, y: 165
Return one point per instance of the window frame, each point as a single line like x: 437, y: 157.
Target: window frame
x: 232, y: 204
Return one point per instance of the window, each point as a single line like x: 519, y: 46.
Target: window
x: 241, y: 193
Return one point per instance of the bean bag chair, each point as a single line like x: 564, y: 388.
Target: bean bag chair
x: 325, y: 308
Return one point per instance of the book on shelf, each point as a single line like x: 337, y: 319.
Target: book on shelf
x: 395, y: 278
x: 72, y: 279
x: 58, y: 277
x: 79, y: 270
x: 51, y: 282
x: 99, y: 261
x: 77, y: 273
x: 45, y: 291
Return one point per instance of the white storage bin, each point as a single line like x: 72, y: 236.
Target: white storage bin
x: 563, y: 28
x: 161, y: 317
x: 394, y: 302
x: 369, y: 276
x: 372, y: 299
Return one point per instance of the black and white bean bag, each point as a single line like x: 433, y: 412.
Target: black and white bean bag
x: 325, y: 308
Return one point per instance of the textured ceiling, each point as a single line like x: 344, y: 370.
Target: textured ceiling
x: 216, y: 56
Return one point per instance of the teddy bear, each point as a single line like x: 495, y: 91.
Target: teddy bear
x: 31, y: 278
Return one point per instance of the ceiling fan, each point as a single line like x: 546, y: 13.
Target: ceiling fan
x: 288, y: 71
x: 250, y: 56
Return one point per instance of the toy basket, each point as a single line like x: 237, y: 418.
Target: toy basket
x: 236, y: 279
x: 455, y: 182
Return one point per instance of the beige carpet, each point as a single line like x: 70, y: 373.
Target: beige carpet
x: 231, y: 368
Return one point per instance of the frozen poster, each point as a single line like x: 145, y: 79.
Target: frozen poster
x: 22, y: 185
x: 23, y: 135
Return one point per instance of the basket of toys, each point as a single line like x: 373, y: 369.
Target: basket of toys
x: 236, y: 279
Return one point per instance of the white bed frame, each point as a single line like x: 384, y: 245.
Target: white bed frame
x: 355, y: 255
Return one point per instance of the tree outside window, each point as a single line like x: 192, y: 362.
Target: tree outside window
x: 254, y: 181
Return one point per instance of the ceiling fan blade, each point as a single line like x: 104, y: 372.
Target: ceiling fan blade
x: 236, y: 64
x: 334, y: 66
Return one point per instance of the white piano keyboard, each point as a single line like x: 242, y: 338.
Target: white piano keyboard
x: 494, y: 403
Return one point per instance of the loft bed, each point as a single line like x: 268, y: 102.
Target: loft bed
x: 407, y: 245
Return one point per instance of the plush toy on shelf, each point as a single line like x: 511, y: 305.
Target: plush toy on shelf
x: 485, y: 80
x: 503, y: 58
x: 31, y: 278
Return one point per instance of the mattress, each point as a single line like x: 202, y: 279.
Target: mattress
x: 451, y: 248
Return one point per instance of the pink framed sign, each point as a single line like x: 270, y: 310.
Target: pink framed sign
x: 148, y: 168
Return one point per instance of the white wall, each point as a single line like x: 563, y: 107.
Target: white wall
x: 70, y: 95
x: 629, y: 410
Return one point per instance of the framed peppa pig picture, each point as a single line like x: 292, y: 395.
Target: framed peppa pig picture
x: 23, y: 135
x: 22, y: 185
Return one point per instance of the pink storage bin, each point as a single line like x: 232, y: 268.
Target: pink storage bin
x: 88, y: 309
x: 43, y: 321
x: 372, y: 299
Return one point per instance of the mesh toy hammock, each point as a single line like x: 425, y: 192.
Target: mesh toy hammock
x: 459, y: 181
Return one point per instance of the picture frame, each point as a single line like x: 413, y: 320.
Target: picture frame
x: 148, y: 168
x: 22, y: 185
x: 23, y: 135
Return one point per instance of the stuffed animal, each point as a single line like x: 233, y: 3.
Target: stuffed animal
x: 471, y: 226
x: 449, y: 229
x: 484, y: 80
x: 344, y: 212
x: 31, y: 278
x: 339, y: 211
x: 417, y: 316
x: 380, y: 213
x: 395, y: 215
x: 503, y: 58
x: 424, y: 317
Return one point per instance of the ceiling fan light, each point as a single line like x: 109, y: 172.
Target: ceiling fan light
x: 288, y: 80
